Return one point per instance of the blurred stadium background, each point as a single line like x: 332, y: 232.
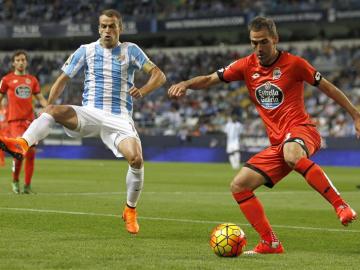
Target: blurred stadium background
x: 187, y: 38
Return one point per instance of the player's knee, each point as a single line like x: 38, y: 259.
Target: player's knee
x: 136, y: 161
x: 238, y: 186
x: 291, y: 160
x: 50, y: 109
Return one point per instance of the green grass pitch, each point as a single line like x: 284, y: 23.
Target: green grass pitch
x: 73, y: 222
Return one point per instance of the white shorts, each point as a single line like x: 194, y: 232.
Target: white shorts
x: 112, y: 129
x: 232, y: 147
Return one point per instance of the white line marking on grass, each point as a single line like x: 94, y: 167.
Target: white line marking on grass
x: 170, y: 192
x: 172, y: 219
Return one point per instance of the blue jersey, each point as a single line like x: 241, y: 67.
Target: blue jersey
x: 109, y: 74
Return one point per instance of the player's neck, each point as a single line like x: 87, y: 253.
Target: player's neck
x: 20, y: 73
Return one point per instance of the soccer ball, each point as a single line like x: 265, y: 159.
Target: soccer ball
x: 227, y: 240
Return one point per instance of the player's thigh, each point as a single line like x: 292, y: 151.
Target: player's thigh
x: 89, y: 122
x: 119, y: 134
x: 64, y: 115
x: 293, y: 152
x: 270, y: 164
x: 130, y: 148
x: 247, y: 179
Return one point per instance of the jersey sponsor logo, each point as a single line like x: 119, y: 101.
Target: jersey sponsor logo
x: 269, y: 95
x: 23, y: 91
x: 255, y: 76
x: 276, y: 73
x: 15, y: 81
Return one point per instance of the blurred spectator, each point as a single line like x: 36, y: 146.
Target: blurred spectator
x: 202, y: 113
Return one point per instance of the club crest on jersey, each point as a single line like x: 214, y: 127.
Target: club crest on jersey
x: 276, y: 73
x: 120, y: 57
x: 255, y: 76
x: 269, y: 95
x: 23, y: 91
x: 28, y: 81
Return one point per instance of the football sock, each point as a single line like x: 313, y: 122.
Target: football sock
x: 236, y: 160
x: 16, y: 169
x: 254, y: 213
x: 39, y: 129
x: 134, y: 184
x: 29, y: 165
x: 2, y: 158
x: 319, y: 181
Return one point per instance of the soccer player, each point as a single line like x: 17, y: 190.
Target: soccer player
x: 20, y: 87
x: 233, y: 130
x: 275, y: 81
x: 107, y: 104
x: 3, y: 128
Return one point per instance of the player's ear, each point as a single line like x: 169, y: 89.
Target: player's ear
x: 276, y: 39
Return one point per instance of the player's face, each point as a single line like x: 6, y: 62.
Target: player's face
x: 264, y: 46
x: 20, y: 63
x: 109, y: 30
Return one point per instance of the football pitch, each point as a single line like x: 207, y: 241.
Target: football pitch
x: 73, y: 222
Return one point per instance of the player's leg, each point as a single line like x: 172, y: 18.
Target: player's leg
x: 40, y: 129
x: 295, y: 152
x: 232, y: 160
x: 29, y: 169
x: 132, y: 152
x: 237, y: 160
x: 242, y: 187
x: 2, y: 158
x: 16, y: 169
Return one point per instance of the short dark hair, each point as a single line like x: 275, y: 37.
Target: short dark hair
x: 259, y: 23
x: 112, y: 13
x: 19, y: 52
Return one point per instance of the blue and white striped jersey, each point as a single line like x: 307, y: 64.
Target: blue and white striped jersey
x: 109, y: 74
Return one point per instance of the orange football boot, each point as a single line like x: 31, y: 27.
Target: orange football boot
x: 15, y: 147
x: 130, y: 217
x: 265, y: 247
x: 346, y: 214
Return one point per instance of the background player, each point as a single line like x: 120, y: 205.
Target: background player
x: 275, y: 82
x: 107, y: 103
x: 233, y: 130
x: 3, y: 127
x: 20, y: 87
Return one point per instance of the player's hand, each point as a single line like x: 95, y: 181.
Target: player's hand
x: 177, y: 90
x: 135, y: 92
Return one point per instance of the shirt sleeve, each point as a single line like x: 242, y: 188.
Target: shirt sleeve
x: 3, y: 86
x: 306, y: 72
x: 75, y: 62
x: 233, y: 72
x: 138, y: 57
x: 36, y: 89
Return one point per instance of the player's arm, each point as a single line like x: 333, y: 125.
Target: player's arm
x: 39, y: 97
x: 57, y: 88
x: 156, y: 80
x: 196, y: 83
x: 339, y: 97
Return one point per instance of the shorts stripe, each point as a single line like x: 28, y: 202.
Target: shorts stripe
x: 269, y: 183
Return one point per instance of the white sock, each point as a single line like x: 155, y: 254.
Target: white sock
x: 134, y: 184
x: 236, y: 161
x: 39, y: 129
